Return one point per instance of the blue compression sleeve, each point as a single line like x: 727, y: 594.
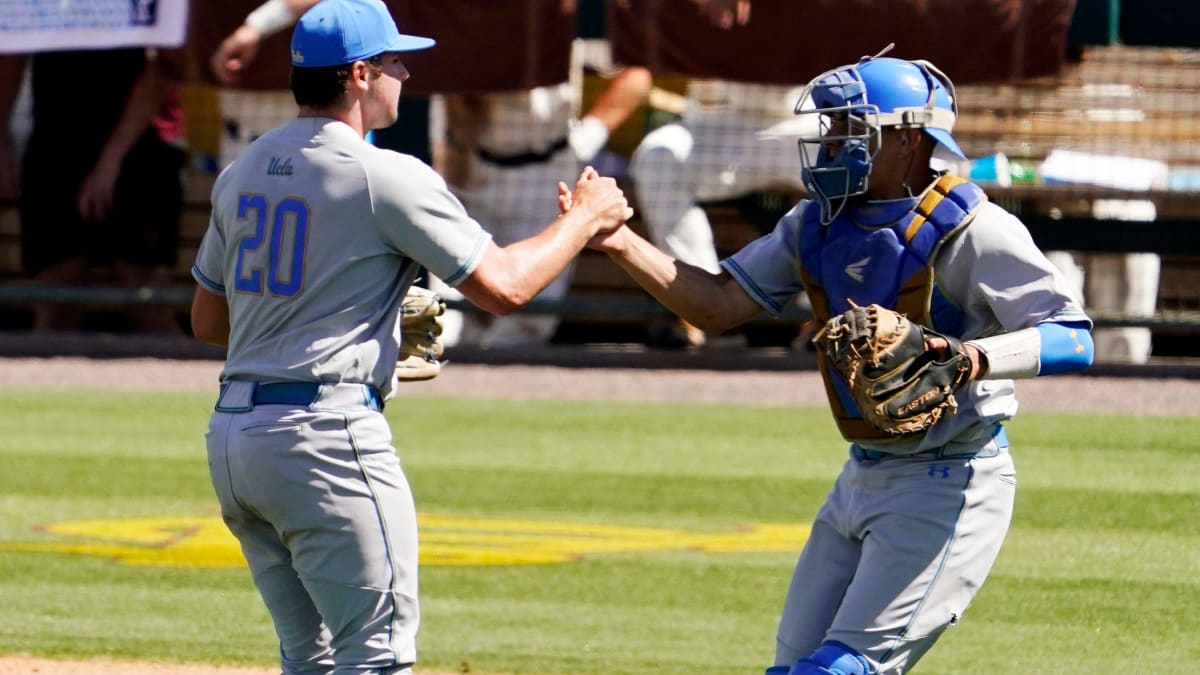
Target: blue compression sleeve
x: 1066, y: 347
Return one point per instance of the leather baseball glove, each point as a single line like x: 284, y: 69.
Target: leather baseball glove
x: 420, y: 335
x: 900, y: 384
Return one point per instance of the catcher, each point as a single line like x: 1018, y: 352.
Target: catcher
x: 934, y: 300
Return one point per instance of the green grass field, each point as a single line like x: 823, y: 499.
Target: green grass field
x: 570, y: 537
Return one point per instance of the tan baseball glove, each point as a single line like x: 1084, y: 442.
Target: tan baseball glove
x: 901, y: 386
x: 420, y: 335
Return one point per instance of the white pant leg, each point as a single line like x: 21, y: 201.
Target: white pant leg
x: 344, y: 576
x: 822, y: 574
x: 896, y: 555
x: 1071, y: 270
x: 735, y: 157
x: 1125, y: 284
x: 711, y: 154
x: 664, y: 182
x: 514, y: 203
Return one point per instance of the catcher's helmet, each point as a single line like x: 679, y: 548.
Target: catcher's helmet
x: 873, y: 93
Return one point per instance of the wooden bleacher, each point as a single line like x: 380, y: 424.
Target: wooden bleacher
x: 1141, y: 102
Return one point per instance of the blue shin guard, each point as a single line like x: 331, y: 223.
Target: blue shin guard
x: 831, y: 658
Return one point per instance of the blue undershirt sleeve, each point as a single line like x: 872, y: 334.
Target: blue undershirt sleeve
x: 1066, y: 347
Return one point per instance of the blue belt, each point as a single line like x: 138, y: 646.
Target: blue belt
x: 302, y: 394
x: 990, y: 448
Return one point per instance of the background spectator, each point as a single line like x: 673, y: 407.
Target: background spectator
x: 113, y: 202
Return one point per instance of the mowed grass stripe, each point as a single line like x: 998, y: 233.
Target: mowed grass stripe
x: 1100, y: 624
x: 1100, y: 562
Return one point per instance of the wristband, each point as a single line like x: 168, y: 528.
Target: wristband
x: 270, y: 17
x: 1012, y: 355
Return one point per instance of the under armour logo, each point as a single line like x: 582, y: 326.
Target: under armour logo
x: 935, y: 470
x: 855, y: 269
x: 297, y: 57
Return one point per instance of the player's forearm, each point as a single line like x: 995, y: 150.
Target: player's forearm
x: 1049, y: 348
x: 140, y: 108
x: 547, y: 254
x: 712, y: 302
x: 508, y: 278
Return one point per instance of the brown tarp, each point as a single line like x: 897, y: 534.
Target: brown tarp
x: 483, y: 45
x: 791, y: 41
x: 502, y: 45
x: 210, y: 23
x: 487, y: 45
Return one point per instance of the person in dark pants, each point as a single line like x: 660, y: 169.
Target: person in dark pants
x: 100, y: 182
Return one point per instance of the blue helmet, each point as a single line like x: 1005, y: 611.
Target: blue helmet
x: 876, y: 92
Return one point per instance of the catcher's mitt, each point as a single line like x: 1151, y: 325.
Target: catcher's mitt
x: 420, y: 332
x: 900, y: 384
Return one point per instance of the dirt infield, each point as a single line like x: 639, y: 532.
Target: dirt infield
x: 25, y: 665
x: 1081, y: 394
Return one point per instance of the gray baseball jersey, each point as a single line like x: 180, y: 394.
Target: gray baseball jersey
x: 314, y: 239
x: 312, y: 232
x: 1013, y: 286
x: 911, y: 529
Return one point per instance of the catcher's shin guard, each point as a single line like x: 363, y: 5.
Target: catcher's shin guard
x: 831, y: 658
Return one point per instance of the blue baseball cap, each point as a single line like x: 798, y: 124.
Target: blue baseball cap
x: 337, y: 32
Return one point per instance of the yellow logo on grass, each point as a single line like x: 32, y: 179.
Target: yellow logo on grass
x: 445, y: 540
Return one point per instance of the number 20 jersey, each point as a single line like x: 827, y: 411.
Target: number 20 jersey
x: 312, y: 237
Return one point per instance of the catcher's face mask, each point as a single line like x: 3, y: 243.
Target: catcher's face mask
x: 853, y: 103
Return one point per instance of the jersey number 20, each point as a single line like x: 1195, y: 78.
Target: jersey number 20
x: 285, y: 252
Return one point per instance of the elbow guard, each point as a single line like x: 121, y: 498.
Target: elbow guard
x: 1046, y: 349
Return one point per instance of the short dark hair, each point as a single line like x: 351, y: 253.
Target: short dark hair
x: 323, y: 87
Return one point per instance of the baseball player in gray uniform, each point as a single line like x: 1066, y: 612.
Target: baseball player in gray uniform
x: 314, y: 239
x: 914, y: 522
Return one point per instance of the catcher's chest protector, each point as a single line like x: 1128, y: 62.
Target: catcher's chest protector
x: 892, y: 266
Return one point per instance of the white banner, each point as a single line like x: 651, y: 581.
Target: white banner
x: 47, y: 25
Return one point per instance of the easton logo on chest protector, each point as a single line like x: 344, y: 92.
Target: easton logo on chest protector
x: 855, y: 269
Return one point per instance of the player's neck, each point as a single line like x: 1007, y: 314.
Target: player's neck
x: 349, y: 117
